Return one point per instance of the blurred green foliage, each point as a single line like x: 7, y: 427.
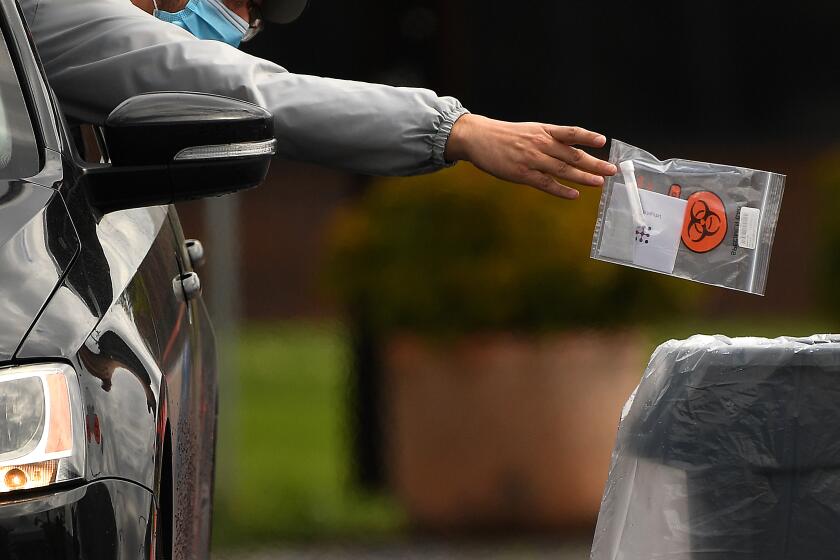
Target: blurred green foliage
x: 293, y: 459
x: 460, y: 251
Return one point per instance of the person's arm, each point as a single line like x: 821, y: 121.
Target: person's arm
x: 97, y: 53
x: 533, y: 154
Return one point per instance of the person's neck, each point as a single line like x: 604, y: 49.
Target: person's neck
x: 146, y: 5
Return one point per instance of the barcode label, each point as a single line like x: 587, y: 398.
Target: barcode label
x: 748, y: 227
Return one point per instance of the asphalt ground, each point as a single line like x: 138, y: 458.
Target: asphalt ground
x: 420, y: 550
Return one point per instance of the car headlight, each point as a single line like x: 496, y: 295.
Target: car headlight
x: 41, y: 430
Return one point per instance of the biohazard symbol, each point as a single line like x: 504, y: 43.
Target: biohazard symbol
x: 704, y: 227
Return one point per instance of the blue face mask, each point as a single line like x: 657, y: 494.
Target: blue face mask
x: 208, y: 19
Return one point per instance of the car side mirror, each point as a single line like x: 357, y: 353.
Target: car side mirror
x: 168, y: 147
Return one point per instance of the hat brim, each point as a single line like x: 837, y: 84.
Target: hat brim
x: 282, y: 11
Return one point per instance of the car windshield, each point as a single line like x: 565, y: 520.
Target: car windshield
x: 18, y: 149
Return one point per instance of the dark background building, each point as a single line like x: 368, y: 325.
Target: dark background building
x: 751, y: 84
x: 742, y: 83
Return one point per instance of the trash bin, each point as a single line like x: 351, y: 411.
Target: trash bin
x: 728, y: 449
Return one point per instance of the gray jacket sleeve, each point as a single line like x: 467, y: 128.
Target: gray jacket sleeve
x: 97, y: 53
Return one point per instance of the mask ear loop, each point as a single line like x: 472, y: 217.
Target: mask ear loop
x: 628, y: 171
x: 154, y: 2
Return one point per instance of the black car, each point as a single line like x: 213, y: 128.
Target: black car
x: 108, y: 391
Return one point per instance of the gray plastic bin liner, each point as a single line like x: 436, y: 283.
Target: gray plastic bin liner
x: 729, y: 449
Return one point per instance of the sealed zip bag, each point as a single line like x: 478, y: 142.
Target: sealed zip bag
x: 705, y: 222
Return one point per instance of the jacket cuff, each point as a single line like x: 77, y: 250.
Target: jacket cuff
x: 448, y: 118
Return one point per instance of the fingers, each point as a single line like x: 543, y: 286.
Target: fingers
x: 580, y: 159
x: 575, y: 135
x: 535, y: 154
x: 548, y: 184
x: 564, y: 170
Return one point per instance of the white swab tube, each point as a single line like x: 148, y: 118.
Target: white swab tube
x: 628, y: 171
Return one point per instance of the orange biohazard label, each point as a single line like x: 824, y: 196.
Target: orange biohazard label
x: 704, y: 227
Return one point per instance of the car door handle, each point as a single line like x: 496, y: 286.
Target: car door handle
x: 195, y: 250
x: 187, y: 286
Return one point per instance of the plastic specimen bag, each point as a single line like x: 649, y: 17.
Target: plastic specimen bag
x: 705, y: 222
x: 728, y: 449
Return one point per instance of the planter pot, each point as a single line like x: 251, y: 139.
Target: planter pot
x: 505, y: 431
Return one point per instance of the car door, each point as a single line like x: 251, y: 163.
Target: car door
x: 146, y: 362
x: 187, y: 360
x: 203, y: 398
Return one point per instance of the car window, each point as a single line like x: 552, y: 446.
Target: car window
x: 18, y: 148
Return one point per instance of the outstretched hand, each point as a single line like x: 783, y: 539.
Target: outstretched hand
x: 535, y: 154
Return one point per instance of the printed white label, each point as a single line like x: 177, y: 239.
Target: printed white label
x: 657, y: 242
x: 748, y: 221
